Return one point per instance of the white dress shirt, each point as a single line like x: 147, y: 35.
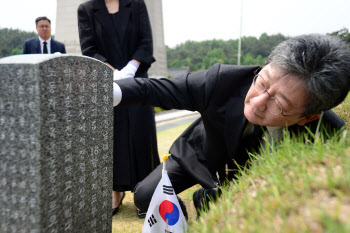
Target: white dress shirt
x: 48, y: 45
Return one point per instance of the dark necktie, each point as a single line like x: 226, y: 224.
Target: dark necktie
x: 45, y: 48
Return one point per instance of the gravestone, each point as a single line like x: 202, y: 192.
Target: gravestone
x: 56, y: 132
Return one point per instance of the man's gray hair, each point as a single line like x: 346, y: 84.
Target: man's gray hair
x: 322, y: 62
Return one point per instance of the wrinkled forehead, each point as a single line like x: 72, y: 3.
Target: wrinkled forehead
x: 274, y: 73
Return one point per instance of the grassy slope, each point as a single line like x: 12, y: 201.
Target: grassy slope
x: 300, y: 188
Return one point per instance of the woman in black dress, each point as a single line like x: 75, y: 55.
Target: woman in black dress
x: 118, y: 32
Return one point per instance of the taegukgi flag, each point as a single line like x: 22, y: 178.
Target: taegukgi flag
x: 164, y: 213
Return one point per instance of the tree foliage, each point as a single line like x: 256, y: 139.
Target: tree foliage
x: 12, y: 40
x: 202, y: 55
x: 342, y: 34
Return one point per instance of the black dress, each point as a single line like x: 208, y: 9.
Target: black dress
x: 117, y: 39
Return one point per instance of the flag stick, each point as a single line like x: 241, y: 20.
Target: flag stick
x: 165, y: 157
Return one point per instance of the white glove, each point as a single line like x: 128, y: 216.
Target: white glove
x: 128, y: 71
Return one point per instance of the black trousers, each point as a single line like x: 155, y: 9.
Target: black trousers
x: 179, y: 178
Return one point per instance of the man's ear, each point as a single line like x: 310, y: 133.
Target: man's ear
x: 309, y: 118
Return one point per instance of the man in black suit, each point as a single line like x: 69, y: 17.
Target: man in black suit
x: 43, y: 44
x: 303, y: 77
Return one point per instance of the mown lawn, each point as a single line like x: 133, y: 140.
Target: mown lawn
x: 302, y: 187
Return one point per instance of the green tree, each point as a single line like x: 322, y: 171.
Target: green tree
x: 201, y: 55
x: 12, y: 40
x: 215, y: 55
x: 16, y: 51
x: 248, y: 59
x: 342, y: 34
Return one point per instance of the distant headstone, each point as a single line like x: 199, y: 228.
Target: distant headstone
x: 56, y: 132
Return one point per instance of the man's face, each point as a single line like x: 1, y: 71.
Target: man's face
x: 44, y: 29
x: 287, y: 89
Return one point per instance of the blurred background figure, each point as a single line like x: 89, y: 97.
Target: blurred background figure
x: 118, y: 32
x: 44, y: 43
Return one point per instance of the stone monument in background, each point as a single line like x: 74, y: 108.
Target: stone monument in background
x: 56, y: 141
x: 67, y: 32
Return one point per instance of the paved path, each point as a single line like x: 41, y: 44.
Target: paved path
x: 168, y: 119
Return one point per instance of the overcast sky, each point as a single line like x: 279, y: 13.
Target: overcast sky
x: 208, y: 19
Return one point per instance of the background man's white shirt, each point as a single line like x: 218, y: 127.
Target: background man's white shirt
x: 48, y: 45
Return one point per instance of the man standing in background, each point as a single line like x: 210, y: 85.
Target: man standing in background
x: 43, y: 44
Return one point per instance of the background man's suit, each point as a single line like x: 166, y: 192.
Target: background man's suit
x: 213, y: 140
x: 32, y: 46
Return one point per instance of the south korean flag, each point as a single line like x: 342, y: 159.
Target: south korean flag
x: 164, y: 212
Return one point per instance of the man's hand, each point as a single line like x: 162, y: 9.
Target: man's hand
x: 128, y: 71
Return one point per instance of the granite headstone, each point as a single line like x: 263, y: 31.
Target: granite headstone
x: 56, y: 132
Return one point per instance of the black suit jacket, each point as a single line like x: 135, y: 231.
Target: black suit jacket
x: 216, y: 138
x: 99, y: 38
x: 135, y: 151
x: 32, y: 46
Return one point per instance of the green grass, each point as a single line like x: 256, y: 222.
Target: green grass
x: 299, y: 188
